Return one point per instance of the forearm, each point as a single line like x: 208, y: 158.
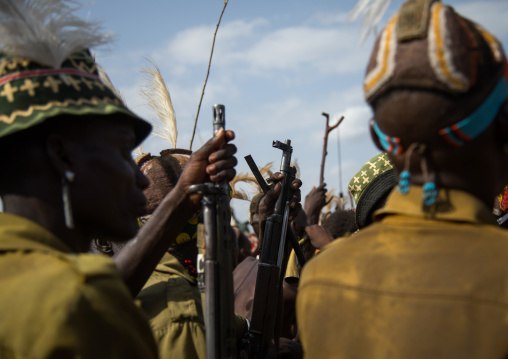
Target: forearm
x: 140, y: 256
x: 312, y: 218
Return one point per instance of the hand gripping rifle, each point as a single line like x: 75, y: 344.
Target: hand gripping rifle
x: 273, y: 261
x: 218, y: 262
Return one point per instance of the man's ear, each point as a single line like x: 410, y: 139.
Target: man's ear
x: 373, y: 135
x: 59, y: 153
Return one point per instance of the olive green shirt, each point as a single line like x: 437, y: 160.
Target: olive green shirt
x: 172, y: 302
x: 56, y: 304
x: 411, y: 285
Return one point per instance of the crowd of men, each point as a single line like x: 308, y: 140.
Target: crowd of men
x: 98, y: 251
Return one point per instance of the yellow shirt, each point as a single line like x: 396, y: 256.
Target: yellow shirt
x: 172, y: 302
x: 55, y: 304
x: 411, y: 285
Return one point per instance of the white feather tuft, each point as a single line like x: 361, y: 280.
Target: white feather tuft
x: 157, y: 95
x: 372, y: 12
x: 46, y: 32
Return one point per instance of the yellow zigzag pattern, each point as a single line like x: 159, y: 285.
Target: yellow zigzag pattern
x: 12, y: 64
x: 83, y: 66
x: 8, y: 119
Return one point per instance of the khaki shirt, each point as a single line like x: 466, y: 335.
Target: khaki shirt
x: 411, y: 285
x: 56, y: 304
x: 172, y: 302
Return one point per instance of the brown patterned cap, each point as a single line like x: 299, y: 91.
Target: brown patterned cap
x: 163, y: 172
x: 428, y: 46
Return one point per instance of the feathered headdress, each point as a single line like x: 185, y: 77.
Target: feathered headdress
x: 156, y: 93
x: 46, y: 32
x: 47, y: 70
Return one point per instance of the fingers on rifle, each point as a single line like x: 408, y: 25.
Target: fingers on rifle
x: 213, y: 144
x: 224, y: 165
x: 276, y: 177
x: 297, y: 196
x: 297, y: 183
x: 230, y: 135
x: 224, y: 152
x: 226, y: 175
x: 271, y: 196
x: 276, y: 189
x: 219, y: 132
x: 294, y: 203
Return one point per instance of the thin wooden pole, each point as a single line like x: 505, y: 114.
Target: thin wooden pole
x: 328, y: 129
x: 207, y: 74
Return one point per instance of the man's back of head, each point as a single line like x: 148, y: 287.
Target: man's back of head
x: 427, y: 279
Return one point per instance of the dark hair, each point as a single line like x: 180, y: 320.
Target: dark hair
x: 340, y: 222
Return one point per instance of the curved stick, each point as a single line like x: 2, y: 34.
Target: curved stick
x: 328, y: 129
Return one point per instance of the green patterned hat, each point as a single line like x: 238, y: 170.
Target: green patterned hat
x: 46, y: 69
x: 30, y: 94
x: 370, y: 187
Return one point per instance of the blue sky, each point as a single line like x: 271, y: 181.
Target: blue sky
x: 277, y: 66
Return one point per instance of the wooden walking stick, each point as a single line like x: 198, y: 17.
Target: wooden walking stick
x: 328, y: 129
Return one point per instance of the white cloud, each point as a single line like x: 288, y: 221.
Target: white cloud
x: 327, y: 18
x: 192, y: 46
x: 355, y: 125
x: 294, y: 49
x: 257, y: 47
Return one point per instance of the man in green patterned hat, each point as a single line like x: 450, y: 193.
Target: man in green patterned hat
x: 67, y: 177
x: 427, y: 279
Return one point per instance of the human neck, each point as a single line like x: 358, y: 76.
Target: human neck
x: 485, y: 188
x: 46, y: 215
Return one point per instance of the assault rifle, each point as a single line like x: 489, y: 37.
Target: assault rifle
x: 273, y: 259
x: 218, y: 262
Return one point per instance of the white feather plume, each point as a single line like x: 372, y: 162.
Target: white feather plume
x: 46, y: 31
x: 372, y: 12
x: 156, y: 93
